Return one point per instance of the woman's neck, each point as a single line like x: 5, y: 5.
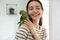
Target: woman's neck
x: 36, y: 23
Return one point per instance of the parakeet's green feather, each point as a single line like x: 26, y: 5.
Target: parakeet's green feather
x: 23, y: 17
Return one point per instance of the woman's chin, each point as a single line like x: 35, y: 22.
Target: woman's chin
x: 35, y: 18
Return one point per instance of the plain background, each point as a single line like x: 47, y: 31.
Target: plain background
x: 54, y: 19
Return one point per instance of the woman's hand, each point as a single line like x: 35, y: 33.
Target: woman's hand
x: 29, y: 24
x: 31, y: 27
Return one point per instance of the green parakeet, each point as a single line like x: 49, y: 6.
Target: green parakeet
x: 23, y: 17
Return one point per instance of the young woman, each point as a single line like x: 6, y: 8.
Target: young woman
x: 32, y: 29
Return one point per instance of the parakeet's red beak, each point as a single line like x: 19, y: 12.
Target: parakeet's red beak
x: 20, y: 13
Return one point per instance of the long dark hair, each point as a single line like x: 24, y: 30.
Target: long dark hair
x: 40, y: 22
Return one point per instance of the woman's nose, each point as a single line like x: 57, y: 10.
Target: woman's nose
x: 35, y: 10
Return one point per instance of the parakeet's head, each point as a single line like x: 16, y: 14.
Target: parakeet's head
x: 24, y: 14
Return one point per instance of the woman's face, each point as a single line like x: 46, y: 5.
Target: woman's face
x: 34, y: 10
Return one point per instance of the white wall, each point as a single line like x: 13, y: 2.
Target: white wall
x: 46, y: 15
x: 8, y: 23
x: 54, y: 19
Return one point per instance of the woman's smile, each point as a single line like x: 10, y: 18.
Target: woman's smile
x: 37, y: 14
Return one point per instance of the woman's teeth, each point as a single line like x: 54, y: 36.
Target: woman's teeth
x: 35, y: 15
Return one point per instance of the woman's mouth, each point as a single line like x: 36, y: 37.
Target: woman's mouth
x: 35, y: 15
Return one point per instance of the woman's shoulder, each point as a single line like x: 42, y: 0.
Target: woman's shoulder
x: 22, y: 32
x: 44, y: 32
x: 43, y: 29
x: 24, y: 27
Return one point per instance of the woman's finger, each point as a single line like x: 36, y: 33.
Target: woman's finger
x: 28, y: 25
x: 26, y: 22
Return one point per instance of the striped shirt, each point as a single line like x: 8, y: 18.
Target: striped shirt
x: 25, y: 34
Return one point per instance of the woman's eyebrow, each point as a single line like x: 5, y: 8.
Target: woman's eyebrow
x: 38, y: 6
x: 30, y: 7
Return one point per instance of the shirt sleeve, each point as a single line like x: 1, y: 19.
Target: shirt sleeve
x: 22, y: 33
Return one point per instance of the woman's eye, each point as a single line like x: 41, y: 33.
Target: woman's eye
x: 30, y: 9
x: 38, y: 8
